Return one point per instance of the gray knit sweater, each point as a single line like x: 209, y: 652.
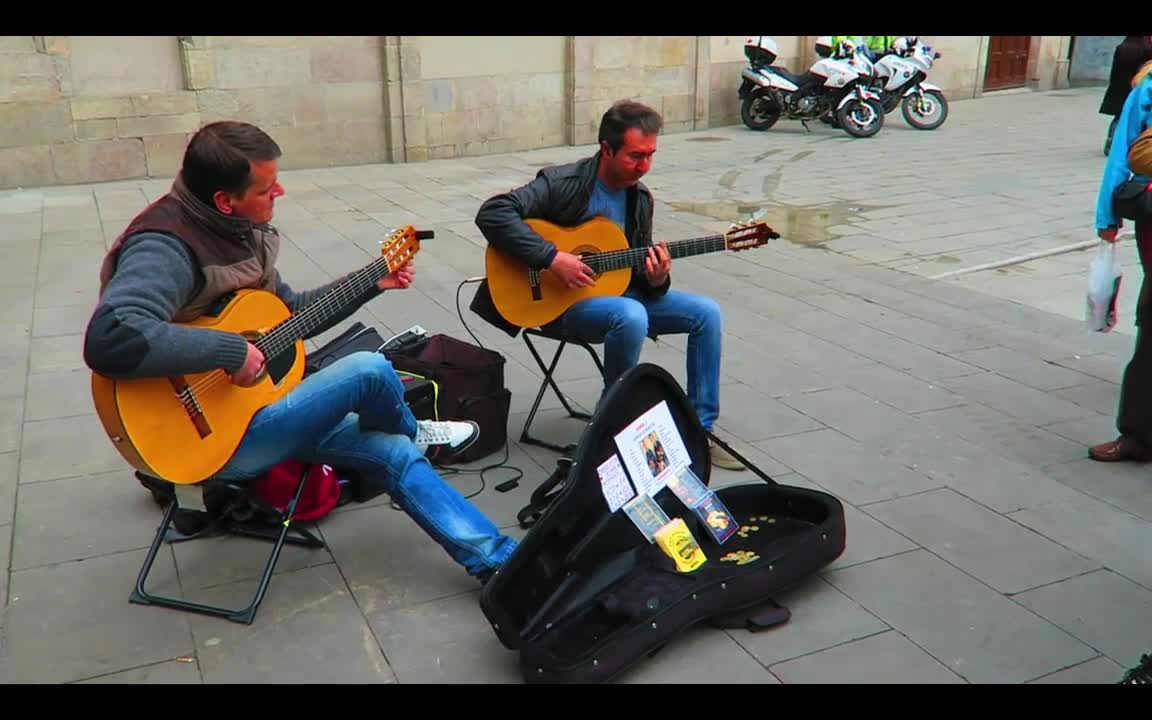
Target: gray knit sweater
x: 131, y: 335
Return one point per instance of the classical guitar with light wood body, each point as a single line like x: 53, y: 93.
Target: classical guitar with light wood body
x: 530, y: 298
x: 184, y: 429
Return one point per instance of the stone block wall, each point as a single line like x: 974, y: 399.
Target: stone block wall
x: 961, y: 69
x: 62, y: 121
x: 490, y: 94
x: 661, y: 71
x: 322, y: 98
x: 78, y: 109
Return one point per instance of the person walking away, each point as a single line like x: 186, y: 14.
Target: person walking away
x: 1134, y: 417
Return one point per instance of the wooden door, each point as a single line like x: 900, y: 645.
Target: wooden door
x: 1007, y: 62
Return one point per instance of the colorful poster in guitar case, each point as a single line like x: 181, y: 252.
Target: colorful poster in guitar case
x: 653, y: 450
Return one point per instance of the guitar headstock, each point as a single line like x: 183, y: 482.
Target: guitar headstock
x: 745, y: 237
x: 402, y: 245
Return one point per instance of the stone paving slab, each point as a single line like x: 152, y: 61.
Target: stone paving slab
x: 886, y: 658
x: 1099, y: 671
x: 1100, y: 608
x: 171, y: 672
x: 975, y: 631
x: 986, y: 545
x: 310, y: 632
x: 951, y: 416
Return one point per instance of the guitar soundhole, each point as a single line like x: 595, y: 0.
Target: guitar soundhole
x: 277, y: 367
x: 586, y: 252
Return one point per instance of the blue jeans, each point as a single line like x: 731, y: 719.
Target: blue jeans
x: 622, y: 323
x: 352, y: 415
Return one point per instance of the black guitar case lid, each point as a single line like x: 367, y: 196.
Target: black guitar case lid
x: 586, y: 595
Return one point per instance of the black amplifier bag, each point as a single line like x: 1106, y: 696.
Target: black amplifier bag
x: 586, y: 596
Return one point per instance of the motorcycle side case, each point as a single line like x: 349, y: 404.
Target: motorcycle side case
x: 586, y: 596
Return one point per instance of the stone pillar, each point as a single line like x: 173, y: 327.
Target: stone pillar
x: 703, y: 81
x: 1063, y: 67
x: 579, y: 132
x: 570, y: 89
x: 405, y: 127
x: 806, y: 57
x: 981, y: 66
x: 197, y: 62
x: 1048, y: 62
x: 412, y: 100
x: 393, y: 98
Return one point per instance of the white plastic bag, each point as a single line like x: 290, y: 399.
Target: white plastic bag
x: 1103, y: 288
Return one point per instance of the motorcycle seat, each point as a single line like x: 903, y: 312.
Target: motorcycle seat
x: 794, y: 79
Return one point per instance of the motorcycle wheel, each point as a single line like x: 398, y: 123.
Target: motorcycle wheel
x: 758, y: 112
x: 933, y: 105
x: 861, y: 119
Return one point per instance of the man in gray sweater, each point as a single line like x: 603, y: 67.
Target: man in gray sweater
x: 211, y: 236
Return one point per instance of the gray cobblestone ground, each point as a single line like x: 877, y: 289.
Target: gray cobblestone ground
x: 952, y: 416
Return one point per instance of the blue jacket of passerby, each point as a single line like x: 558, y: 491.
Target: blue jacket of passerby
x: 1134, y: 119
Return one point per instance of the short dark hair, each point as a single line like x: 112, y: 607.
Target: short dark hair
x: 220, y: 156
x: 626, y: 114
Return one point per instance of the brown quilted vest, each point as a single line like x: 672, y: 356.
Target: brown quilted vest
x: 232, y: 253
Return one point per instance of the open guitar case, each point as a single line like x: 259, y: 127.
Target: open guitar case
x: 586, y: 595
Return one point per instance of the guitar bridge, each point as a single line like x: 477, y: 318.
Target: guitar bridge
x: 191, y: 406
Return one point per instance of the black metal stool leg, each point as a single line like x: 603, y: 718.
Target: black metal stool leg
x: 525, y: 435
x: 547, y: 373
x: 595, y: 357
x: 243, y: 615
x: 549, y: 381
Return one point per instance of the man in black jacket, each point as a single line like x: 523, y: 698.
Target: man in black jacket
x: 608, y: 184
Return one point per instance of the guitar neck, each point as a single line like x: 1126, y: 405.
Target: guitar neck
x: 332, y: 303
x: 635, y: 257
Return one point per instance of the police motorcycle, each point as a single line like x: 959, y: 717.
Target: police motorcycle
x: 899, y: 76
x: 832, y: 86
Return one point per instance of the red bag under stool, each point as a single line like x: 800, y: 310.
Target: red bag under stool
x: 321, y: 491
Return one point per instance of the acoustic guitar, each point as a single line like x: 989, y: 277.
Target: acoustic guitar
x: 184, y: 429
x: 530, y: 298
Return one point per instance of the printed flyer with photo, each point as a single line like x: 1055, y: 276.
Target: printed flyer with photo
x: 653, y: 450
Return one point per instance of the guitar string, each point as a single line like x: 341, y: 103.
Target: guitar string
x: 280, y: 337
x: 620, y: 259
x: 680, y: 248
x: 271, y: 344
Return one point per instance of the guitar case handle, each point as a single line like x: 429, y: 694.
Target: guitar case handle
x: 755, y: 619
x: 545, y: 494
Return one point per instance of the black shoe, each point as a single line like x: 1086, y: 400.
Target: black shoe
x: 188, y: 524
x: 1139, y: 675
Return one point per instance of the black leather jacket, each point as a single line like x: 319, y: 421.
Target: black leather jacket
x: 558, y: 194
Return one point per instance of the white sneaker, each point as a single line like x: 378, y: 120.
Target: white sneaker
x: 457, y: 435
